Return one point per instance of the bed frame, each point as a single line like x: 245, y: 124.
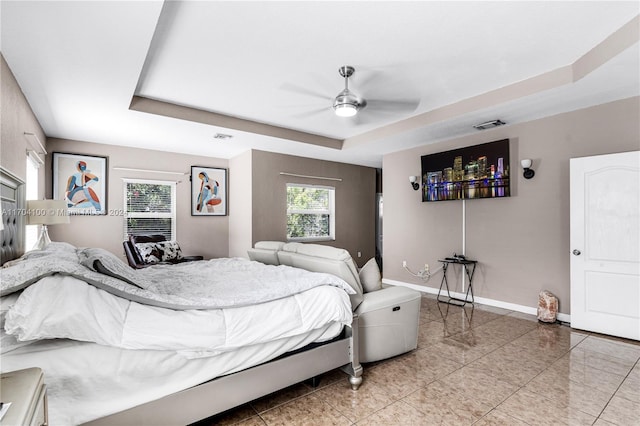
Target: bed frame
x: 12, y: 197
x: 226, y: 392
x: 217, y: 395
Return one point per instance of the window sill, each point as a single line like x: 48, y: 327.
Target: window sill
x: 309, y: 239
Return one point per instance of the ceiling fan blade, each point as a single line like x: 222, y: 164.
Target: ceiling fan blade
x: 368, y: 80
x: 311, y: 113
x: 364, y: 118
x: 376, y: 110
x: 388, y: 106
x: 290, y: 87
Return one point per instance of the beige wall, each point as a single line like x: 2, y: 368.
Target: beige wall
x: 355, y: 199
x: 257, y: 210
x: 16, y: 119
x: 521, y: 242
x: 240, y: 202
x: 207, y: 236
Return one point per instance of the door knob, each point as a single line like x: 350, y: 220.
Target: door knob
x: 577, y: 252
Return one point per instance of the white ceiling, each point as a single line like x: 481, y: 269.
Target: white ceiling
x: 80, y: 63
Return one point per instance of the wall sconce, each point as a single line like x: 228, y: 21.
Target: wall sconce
x: 414, y: 182
x: 528, y: 171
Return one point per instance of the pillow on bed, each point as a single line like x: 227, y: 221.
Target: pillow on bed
x: 149, y: 252
x: 163, y: 251
x: 370, y: 276
x: 170, y: 251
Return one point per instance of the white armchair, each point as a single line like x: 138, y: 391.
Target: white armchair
x: 388, y: 317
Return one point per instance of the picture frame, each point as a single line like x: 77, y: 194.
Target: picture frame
x: 82, y: 181
x: 208, y: 191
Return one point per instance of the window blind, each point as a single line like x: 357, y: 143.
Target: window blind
x: 310, y: 212
x: 149, y: 208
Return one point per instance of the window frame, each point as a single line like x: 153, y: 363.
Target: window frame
x: 331, y: 211
x: 155, y: 215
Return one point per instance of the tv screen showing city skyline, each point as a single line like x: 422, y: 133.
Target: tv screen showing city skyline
x: 479, y: 171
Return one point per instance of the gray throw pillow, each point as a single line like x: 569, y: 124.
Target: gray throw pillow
x: 370, y: 276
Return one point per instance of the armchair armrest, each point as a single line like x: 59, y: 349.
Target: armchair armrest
x: 386, y: 298
x: 132, y: 257
x: 388, y: 322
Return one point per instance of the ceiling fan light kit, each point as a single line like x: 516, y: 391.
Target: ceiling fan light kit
x: 346, y: 103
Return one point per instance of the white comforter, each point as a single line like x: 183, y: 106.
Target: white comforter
x: 66, y: 307
x: 86, y: 381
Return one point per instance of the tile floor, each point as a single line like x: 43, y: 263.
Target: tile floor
x: 480, y: 366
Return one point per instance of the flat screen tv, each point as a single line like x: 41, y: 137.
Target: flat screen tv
x: 479, y: 171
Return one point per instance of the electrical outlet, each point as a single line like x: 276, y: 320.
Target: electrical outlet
x: 359, y: 254
x: 426, y: 268
x: 404, y: 263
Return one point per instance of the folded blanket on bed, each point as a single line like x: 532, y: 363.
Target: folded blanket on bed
x: 217, y: 283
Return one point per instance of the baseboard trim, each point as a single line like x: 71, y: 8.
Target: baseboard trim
x: 482, y: 300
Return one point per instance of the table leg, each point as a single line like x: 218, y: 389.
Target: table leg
x: 469, y: 293
x: 444, y: 282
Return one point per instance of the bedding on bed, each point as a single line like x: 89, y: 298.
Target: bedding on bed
x: 86, y: 380
x: 7, y: 341
x: 212, y: 284
x: 109, y: 337
x: 65, y: 307
x: 248, y: 302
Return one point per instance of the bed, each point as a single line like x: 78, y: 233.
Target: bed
x: 64, y: 305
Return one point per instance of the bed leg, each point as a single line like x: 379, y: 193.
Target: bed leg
x: 355, y: 381
x: 354, y: 369
x: 355, y: 375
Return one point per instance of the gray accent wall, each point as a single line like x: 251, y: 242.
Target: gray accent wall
x: 355, y: 199
x: 521, y: 242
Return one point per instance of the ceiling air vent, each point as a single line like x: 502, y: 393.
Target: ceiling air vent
x: 489, y: 124
x: 222, y: 136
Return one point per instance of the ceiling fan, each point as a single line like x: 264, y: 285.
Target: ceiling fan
x: 348, y: 104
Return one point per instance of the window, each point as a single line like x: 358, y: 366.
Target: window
x: 310, y: 212
x: 150, y: 208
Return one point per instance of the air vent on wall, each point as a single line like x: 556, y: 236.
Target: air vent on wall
x: 489, y: 124
x: 222, y: 136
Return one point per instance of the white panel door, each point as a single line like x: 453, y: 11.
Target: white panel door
x: 605, y: 244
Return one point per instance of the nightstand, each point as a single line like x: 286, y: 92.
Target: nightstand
x: 26, y: 391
